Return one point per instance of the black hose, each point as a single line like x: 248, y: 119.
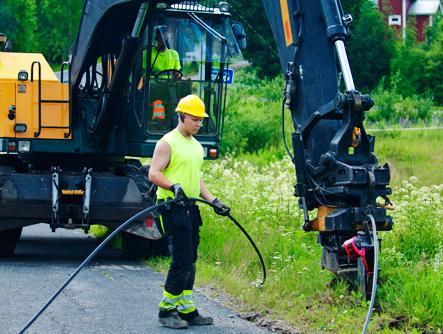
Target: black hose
x: 89, y: 258
x: 375, y: 274
x: 119, y: 229
x: 244, y: 232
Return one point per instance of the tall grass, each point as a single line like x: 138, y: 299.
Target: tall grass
x: 412, y: 153
x: 261, y: 198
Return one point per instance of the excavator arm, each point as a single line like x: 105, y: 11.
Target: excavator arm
x: 338, y: 174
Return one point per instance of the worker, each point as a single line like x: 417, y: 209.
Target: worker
x: 176, y: 168
x: 163, y: 58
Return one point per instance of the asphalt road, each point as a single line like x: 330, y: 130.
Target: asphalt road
x: 111, y: 295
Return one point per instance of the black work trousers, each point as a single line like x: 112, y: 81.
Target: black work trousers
x: 182, y: 227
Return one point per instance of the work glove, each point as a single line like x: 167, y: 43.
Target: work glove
x: 179, y: 193
x: 220, y: 208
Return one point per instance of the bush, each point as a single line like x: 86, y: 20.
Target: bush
x: 260, y: 194
x: 392, y: 107
x: 417, y: 67
x: 253, y: 114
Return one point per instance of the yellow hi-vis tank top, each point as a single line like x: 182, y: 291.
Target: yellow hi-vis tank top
x: 184, y: 166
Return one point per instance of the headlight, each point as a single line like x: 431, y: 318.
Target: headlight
x: 162, y: 5
x: 24, y: 146
x: 224, y: 6
x: 23, y: 75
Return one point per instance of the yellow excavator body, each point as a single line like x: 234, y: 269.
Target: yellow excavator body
x: 35, y: 108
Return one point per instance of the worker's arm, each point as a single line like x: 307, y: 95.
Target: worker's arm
x: 205, y: 193
x: 160, y: 160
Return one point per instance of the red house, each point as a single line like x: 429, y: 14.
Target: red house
x: 403, y: 13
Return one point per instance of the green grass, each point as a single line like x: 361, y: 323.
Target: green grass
x: 412, y: 153
x: 259, y: 188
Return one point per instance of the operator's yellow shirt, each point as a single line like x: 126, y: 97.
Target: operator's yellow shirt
x: 184, y: 166
x: 163, y: 60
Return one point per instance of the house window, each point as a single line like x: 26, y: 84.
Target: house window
x: 395, y: 20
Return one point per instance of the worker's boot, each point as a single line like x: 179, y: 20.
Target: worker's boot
x: 201, y: 321
x: 172, y: 320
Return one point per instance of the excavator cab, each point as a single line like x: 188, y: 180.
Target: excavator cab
x: 185, y: 51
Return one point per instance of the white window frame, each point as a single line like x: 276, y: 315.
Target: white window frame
x: 395, y: 20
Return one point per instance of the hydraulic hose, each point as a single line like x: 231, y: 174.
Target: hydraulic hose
x: 375, y: 274
x: 89, y: 258
x: 262, y: 262
x: 119, y: 229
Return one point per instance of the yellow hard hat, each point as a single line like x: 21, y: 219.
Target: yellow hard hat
x: 192, y: 105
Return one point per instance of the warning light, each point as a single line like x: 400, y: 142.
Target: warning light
x: 12, y: 146
x: 149, y: 222
x: 213, y: 153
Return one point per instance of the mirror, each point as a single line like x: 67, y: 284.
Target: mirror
x: 240, y: 35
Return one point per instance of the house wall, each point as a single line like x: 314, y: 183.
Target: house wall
x: 394, y: 7
x: 421, y: 23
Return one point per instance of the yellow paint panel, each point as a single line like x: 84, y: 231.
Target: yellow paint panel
x: 319, y: 223
x: 286, y: 22
x: 7, y: 98
x: 52, y: 114
x: 11, y: 63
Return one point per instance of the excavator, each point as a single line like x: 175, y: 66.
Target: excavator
x: 68, y: 146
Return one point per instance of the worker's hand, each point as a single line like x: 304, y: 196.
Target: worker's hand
x: 220, y: 208
x: 179, y: 193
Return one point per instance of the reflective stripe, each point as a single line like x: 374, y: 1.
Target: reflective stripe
x: 186, y: 302
x: 169, y: 301
x: 158, y: 111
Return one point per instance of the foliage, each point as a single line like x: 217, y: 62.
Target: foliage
x: 261, y: 50
x: 253, y: 116
x: 413, y: 256
x: 51, y: 14
x: 392, y: 107
x: 46, y: 26
x: 370, y: 45
x: 18, y: 21
x: 417, y: 67
x: 253, y: 113
x: 410, y: 153
x: 261, y: 196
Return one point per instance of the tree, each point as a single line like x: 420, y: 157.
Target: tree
x: 261, y: 51
x: 433, y: 64
x: 417, y: 67
x: 18, y: 21
x: 59, y: 23
x: 371, y: 45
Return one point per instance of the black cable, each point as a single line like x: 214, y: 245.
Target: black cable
x: 89, y: 258
x: 120, y: 228
x: 290, y: 75
x: 244, y: 232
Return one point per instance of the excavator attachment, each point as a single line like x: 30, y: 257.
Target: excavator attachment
x: 338, y: 174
